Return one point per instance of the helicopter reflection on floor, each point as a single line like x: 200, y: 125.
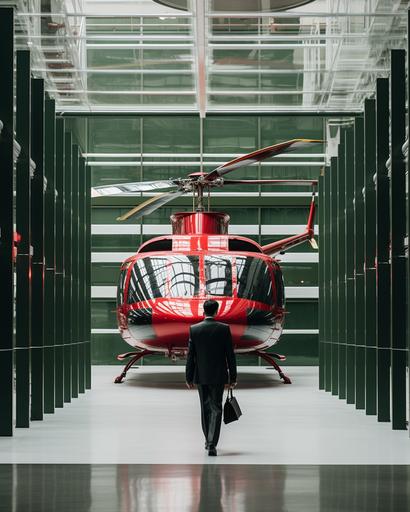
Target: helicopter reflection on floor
x: 216, y: 487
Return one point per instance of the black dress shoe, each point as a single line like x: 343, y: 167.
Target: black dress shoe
x: 212, y: 451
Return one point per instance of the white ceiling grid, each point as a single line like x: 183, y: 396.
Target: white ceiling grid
x: 323, y: 56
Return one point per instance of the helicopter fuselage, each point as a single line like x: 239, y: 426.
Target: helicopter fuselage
x: 163, y: 287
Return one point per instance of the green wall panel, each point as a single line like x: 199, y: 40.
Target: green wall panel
x: 110, y: 243
x: 288, y: 215
x: 107, y: 136
x: 301, y: 314
x: 300, y: 349
x: 105, y: 273
x: 170, y: 134
x: 109, y: 216
x: 106, y: 347
x: 295, y: 274
x: 103, y: 314
x: 162, y: 216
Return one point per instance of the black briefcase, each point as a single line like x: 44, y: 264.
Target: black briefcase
x: 232, y: 411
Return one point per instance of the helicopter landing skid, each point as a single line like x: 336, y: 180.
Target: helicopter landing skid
x: 135, y: 357
x: 270, y: 359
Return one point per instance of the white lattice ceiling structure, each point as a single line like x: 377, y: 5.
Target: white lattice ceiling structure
x: 145, y: 56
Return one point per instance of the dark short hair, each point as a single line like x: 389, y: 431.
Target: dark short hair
x: 210, y: 307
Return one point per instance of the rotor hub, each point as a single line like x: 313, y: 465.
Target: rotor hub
x: 200, y: 223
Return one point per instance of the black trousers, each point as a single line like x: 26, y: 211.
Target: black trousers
x: 211, y: 411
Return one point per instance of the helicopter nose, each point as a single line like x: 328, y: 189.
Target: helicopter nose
x: 178, y: 309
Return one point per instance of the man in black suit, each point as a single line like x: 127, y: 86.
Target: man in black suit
x: 210, y: 355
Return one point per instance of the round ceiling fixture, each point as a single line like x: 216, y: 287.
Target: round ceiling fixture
x: 240, y: 5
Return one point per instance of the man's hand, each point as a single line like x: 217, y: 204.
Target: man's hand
x: 232, y: 385
x: 189, y: 385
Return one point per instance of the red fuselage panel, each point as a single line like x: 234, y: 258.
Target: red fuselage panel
x: 161, y: 295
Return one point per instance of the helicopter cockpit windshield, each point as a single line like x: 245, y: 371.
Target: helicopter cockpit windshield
x: 178, y: 276
x: 254, y: 281
x: 218, y: 275
x: 164, y: 276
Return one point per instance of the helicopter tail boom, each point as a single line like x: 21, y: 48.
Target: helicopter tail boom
x: 293, y: 241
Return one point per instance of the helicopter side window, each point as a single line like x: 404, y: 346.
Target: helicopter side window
x: 148, y: 279
x: 280, y: 288
x: 218, y: 276
x: 120, y: 288
x: 184, y: 276
x: 254, y: 279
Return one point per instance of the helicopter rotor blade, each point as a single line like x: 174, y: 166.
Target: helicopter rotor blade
x: 152, y: 204
x: 259, y: 155
x: 133, y: 188
x: 271, y: 182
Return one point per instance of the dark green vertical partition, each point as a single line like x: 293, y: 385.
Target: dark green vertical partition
x: 75, y: 268
x: 6, y: 219
x: 398, y: 233
x: 335, y: 276
x: 88, y: 277
x: 37, y: 234
x: 67, y: 266
x: 359, y: 246
x: 328, y: 280
x: 49, y: 253
x: 322, y: 296
x: 341, y: 288
x: 382, y: 250
x: 328, y: 273
x: 59, y: 275
x: 23, y: 262
x: 81, y: 277
x: 370, y: 252
x: 349, y: 259
x: 408, y: 204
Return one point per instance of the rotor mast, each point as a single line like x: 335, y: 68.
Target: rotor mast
x: 200, y: 197
x: 198, y: 186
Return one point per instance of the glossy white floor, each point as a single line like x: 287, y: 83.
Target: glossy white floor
x: 153, y: 418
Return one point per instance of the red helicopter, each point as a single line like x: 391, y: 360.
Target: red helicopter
x: 162, y: 287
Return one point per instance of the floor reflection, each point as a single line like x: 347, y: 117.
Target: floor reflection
x: 200, y: 488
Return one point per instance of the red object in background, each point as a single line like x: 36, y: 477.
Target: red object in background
x: 16, y: 241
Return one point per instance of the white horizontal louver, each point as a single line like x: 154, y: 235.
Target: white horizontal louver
x: 291, y: 292
x: 290, y: 257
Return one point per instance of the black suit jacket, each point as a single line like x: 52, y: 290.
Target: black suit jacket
x: 210, y: 354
